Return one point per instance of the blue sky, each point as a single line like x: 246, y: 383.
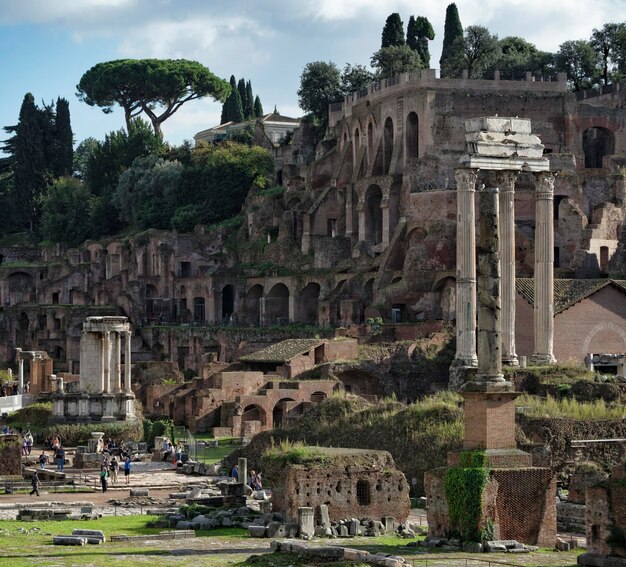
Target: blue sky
x: 46, y: 45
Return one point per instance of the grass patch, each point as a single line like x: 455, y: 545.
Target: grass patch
x: 550, y: 407
x: 288, y: 453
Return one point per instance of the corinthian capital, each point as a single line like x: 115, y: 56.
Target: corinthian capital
x: 465, y: 179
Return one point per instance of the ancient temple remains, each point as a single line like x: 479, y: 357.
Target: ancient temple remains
x: 518, y: 499
x: 40, y: 369
x: 102, y: 395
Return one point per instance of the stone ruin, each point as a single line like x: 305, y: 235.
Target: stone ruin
x: 518, y: 500
x: 351, y: 483
x: 102, y: 395
x: 40, y: 370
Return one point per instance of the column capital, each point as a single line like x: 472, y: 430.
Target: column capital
x: 506, y: 181
x: 465, y: 179
x: 544, y: 184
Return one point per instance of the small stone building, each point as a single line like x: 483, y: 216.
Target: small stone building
x: 353, y: 483
x: 606, y: 521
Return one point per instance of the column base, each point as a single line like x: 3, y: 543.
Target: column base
x: 466, y: 361
x: 488, y: 386
x: 542, y: 360
x: 510, y: 360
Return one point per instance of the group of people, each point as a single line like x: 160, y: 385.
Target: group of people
x: 255, y: 481
x: 172, y: 452
x: 109, y: 470
x: 27, y: 442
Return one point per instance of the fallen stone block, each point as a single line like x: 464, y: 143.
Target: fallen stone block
x: 92, y: 534
x: 139, y: 492
x: 257, y: 531
x: 69, y: 540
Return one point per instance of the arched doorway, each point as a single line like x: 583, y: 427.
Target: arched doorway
x: 281, y: 410
x: 151, y: 301
x: 412, y: 143
x: 277, y: 305
x: 308, y: 302
x: 21, y: 288
x: 199, y: 310
x: 254, y: 413
x: 387, y: 145
x: 252, y: 304
x: 597, y: 143
x: 373, y: 215
x: 228, y: 302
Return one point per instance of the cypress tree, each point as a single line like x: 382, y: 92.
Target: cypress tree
x: 393, y: 32
x: 411, y: 34
x: 241, y: 88
x: 258, y: 107
x: 452, y: 30
x: 64, y: 140
x: 424, y: 33
x: 248, y: 109
x: 227, y: 108
x: 29, y: 163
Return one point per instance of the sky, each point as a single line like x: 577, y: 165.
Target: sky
x: 47, y: 45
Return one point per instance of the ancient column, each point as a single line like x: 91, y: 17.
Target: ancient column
x: 361, y: 213
x: 384, y: 206
x: 20, y: 374
x: 127, y: 345
x: 488, y: 289
x: 118, y: 362
x: 506, y: 184
x: 106, y: 362
x: 544, y: 266
x: 465, y: 268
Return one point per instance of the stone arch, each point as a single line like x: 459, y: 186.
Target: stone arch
x: 254, y: 412
x: 597, y: 143
x: 607, y: 328
x: 373, y: 215
x: 308, y: 300
x: 361, y: 383
x: 21, y: 287
x: 388, y: 135
x: 277, y: 304
x: 280, y: 411
x: 318, y: 397
x: 412, y: 136
x: 252, y: 304
x: 228, y: 302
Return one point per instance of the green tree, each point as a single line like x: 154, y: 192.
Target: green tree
x: 64, y: 139
x: 425, y: 33
x: 319, y: 87
x: 82, y: 155
x: 391, y: 61
x: 258, y: 107
x: 233, y: 108
x: 393, y: 32
x: 477, y: 50
x: 67, y: 212
x: 241, y: 88
x: 146, y: 194
x: 248, y: 110
x: 453, y: 30
x: 355, y: 78
x: 609, y: 43
x: 149, y: 86
x: 579, y: 61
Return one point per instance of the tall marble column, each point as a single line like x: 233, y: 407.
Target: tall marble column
x: 20, y: 375
x: 488, y: 289
x: 118, y: 362
x: 506, y: 183
x: 544, y: 269
x: 106, y: 354
x: 465, y: 268
x: 127, y: 346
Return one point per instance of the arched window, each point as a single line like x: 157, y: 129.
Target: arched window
x: 387, y: 144
x: 412, y: 140
x: 597, y: 143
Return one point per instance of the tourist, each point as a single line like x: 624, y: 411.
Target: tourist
x: 43, y: 460
x: 113, y: 468
x: 258, y: 482
x: 235, y: 472
x: 104, y: 476
x: 35, y: 483
x: 24, y: 445
x: 60, y: 457
x: 252, y: 480
x: 29, y: 442
x: 127, y: 467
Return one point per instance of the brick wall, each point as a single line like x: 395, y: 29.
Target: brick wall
x: 10, y: 455
x: 489, y: 421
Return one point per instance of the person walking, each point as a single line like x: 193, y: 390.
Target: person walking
x: 113, y: 468
x: 60, y: 458
x: 104, y: 478
x: 29, y: 442
x: 127, y: 467
x: 34, y: 481
x: 43, y: 460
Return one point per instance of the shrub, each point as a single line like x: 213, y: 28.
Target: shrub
x: 80, y: 433
x: 35, y: 416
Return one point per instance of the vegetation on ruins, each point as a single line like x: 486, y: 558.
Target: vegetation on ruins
x: 552, y: 407
x: 473, y: 52
x: 419, y: 32
x: 464, y: 485
x: 393, y: 60
x: 145, y: 85
x: 319, y: 86
x: 293, y: 453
